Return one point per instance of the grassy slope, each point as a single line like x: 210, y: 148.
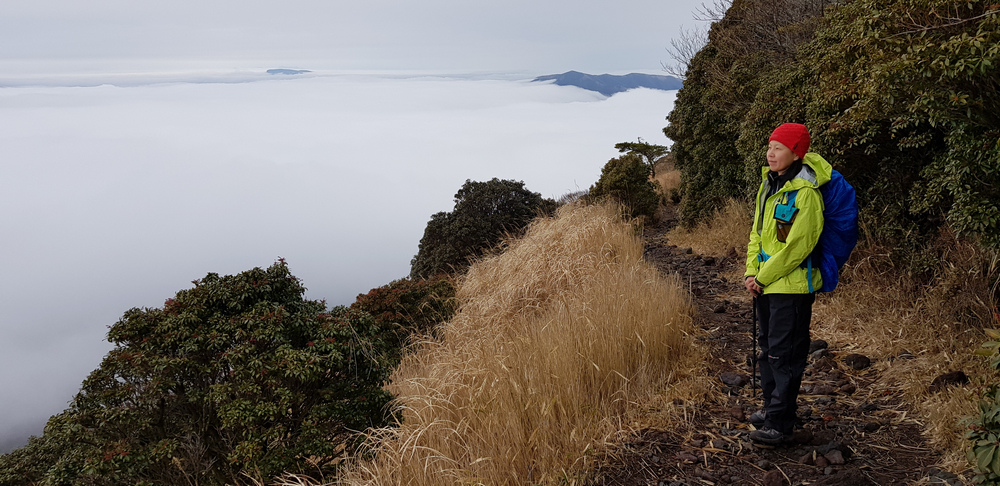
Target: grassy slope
x: 560, y: 339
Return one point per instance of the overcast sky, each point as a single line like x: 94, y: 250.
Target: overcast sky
x: 117, y: 190
x: 532, y: 36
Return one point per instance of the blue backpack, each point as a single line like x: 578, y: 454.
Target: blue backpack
x: 840, y: 232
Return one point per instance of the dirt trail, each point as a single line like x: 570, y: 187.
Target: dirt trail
x: 853, y: 433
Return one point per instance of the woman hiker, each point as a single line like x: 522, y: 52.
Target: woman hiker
x: 788, y: 220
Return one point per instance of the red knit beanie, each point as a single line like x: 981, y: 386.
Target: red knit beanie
x: 794, y: 136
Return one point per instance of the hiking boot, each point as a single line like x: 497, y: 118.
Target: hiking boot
x: 768, y: 436
x: 757, y: 418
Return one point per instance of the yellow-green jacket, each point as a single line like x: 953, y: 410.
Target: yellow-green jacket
x: 782, y: 272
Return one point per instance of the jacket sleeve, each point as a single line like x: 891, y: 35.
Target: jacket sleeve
x: 802, y: 238
x: 754, y: 246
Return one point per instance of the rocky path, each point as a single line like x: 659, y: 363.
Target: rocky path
x: 854, y: 431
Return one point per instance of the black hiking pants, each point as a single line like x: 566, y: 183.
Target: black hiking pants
x: 784, y: 343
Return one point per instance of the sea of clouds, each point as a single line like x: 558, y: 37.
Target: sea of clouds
x: 118, y: 191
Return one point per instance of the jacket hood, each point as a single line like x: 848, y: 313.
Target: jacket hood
x: 815, y: 172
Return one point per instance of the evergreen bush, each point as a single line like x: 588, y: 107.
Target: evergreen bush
x: 626, y: 180
x: 237, y: 379
x: 484, y: 213
x: 408, y: 307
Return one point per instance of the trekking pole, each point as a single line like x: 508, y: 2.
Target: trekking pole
x: 753, y: 357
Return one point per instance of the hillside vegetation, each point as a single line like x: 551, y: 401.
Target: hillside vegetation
x: 900, y: 96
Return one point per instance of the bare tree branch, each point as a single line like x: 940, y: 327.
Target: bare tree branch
x: 682, y: 49
x: 951, y: 22
x: 713, y: 12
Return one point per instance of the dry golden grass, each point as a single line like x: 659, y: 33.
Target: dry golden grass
x: 728, y: 228
x: 915, y: 331
x: 668, y: 180
x: 559, y: 340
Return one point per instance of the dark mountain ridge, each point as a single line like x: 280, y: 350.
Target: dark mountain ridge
x: 290, y: 72
x: 609, y: 84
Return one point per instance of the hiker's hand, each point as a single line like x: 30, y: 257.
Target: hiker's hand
x: 751, y: 284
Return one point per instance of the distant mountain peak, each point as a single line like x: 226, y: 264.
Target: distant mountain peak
x: 609, y: 84
x: 287, y: 71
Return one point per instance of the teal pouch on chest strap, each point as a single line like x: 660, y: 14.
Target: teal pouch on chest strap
x: 785, y: 212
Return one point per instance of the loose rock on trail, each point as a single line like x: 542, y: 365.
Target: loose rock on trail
x: 850, y: 433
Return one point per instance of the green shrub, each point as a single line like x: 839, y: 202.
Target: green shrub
x: 236, y: 379
x: 484, y: 213
x: 408, y: 307
x: 50, y: 459
x: 984, y: 430
x: 626, y: 180
x: 651, y: 153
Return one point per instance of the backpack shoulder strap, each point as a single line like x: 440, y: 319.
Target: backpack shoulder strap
x: 809, y: 266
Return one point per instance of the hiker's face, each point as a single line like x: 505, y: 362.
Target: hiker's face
x: 779, y: 157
